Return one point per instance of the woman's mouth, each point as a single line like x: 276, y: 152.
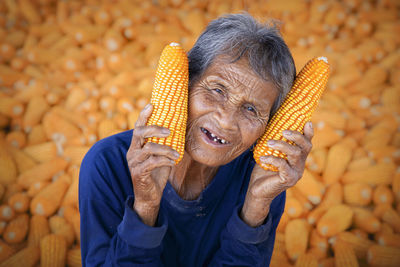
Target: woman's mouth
x: 213, y: 138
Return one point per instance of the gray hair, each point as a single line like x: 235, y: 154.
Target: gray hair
x: 238, y: 35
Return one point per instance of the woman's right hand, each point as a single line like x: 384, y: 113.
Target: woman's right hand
x: 150, y: 165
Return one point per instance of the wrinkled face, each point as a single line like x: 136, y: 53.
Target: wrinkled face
x: 229, y: 107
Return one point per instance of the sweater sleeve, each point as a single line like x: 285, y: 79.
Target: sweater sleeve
x: 112, y: 234
x: 242, y: 245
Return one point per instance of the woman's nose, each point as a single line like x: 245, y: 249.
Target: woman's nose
x: 226, y: 118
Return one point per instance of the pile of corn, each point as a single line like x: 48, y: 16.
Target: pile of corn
x: 73, y: 72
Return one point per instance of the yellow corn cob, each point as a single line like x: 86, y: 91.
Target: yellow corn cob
x: 41, y: 172
x: 392, y: 218
x: 328, y: 262
x: 359, y: 244
x: 6, y: 213
x: 382, y: 195
x: 2, y: 190
x: 296, y: 238
x: 344, y: 255
x: 16, y: 139
x: 339, y: 156
x: 36, y: 187
x: 170, y: 96
x: 8, y: 168
x: 365, y: 220
x: 38, y: 228
x: 27, y: 257
x: 60, y: 226
x: 306, y: 260
x: 5, y: 251
x: 383, y: 256
x: 17, y: 229
x: 42, y: 152
x: 296, y: 109
x: 37, y: 135
x: 35, y: 110
x: 74, y: 258
x: 53, y: 251
x: 357, y: 193
x: 337, y: 219
x: 47, y: 201
x: 19, y: 202
x: 293, y: 207
x: 319, y: 242
x: 310, y: 187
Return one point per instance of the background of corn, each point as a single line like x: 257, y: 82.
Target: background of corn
x: 73, y: 72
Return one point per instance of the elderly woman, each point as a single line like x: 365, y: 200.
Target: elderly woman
x: 216, y: 207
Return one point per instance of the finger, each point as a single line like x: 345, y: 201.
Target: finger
x: 154, y: 162
x: 308, y: 130
x: 299, y: 139
x: 157, y: 150
x: 141, y: 133
x: 144, y: 116
x: 293, y: 152
x: 286, y: 173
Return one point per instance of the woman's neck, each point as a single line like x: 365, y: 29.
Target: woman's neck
x: 191, y: 177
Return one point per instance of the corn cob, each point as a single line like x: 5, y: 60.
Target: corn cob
x: 337, y: 219
x: 6, y: 213
x: 42, y: 172
x: 339, y: 156
x: 74, y: 258
x: 344, y: 255
x: 383, y: 256
x: 16, y: 139
x: 170, y: 97
x: 365, y: 220
x: 38, y: 228
x: 53, y: 251
x: 357, y: 193
x: 359, y: 244
x: 296, y: 238
x: 17, y: 229
x: 6, y: 251
x: 27, y: 257
x: 306, y: 260
x: 60, y: 226
x: 296, y: 109
x: 47, y: 201
x: 19, y: 202
x: 382, y: 195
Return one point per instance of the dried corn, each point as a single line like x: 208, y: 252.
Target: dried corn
x: 297, y: 107
x: 337, y: 219
x: 53, y: 251
x: 38, y: 228
x: 16, y: 229
x: 28, y: 257
x: 170, y: 96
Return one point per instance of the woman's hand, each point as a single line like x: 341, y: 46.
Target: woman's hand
x: 150, y: 165
x: 265, y: 185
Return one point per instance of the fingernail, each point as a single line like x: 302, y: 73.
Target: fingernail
x: 147, y: 106
x: 176, y: 154
x: 288, y: 133
x: 265, y: 159
x: 310, y: 125
x: 271, y: 142
x: 166, y: 131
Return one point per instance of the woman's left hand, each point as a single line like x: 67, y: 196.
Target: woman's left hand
x: 265, y: 185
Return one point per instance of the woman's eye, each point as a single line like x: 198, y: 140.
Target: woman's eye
x: 251, y: 109
x: 219, y: 91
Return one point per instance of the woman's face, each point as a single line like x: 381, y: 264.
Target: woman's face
x: 229, y: 107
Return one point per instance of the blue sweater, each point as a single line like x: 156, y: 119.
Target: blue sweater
x: 204, y: 232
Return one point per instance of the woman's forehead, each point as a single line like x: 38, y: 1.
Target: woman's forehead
x: 239, y: 76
